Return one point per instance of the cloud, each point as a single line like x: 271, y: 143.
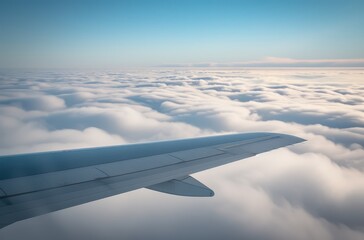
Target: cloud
x: 41, y: 103
x: 312, y: 190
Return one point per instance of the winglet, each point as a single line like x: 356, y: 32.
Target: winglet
x: 185, y: 186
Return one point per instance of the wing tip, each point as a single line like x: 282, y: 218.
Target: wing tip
x: 292, y: 138
x: 297, y: 139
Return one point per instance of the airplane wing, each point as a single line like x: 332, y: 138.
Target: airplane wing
x: 38, y: 183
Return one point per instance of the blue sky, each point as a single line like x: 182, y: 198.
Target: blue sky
x: 149, y: 33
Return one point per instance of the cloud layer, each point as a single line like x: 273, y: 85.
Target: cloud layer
x: 314, y: 190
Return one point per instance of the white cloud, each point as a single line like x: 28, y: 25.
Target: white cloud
x: 40, y: 103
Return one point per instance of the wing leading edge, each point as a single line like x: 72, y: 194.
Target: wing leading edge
x: 39, y: 183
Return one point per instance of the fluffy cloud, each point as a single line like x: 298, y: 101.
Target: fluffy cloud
x: 314, y: 190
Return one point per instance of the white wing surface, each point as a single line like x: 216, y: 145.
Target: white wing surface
x: 38, y: 183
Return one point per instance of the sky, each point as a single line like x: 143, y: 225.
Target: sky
x: 312, y: 190
x: 116, y: 34
x: 96, y: 73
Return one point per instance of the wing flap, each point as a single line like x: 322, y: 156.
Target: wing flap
x: 135, y: 165
x: 187, y: 186
x: 261, y: 145
x: 49, y: 180
x: 193, y: 154
x: 33, y: 183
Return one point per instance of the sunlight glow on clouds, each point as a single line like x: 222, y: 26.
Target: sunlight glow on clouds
x: 314, y: 190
